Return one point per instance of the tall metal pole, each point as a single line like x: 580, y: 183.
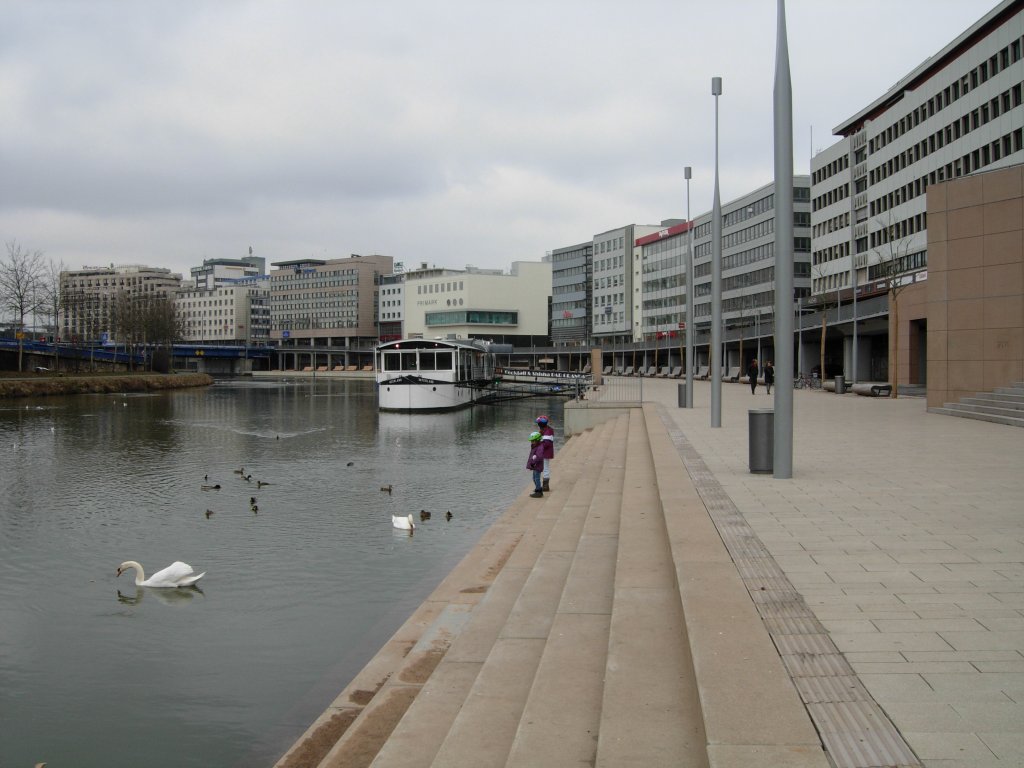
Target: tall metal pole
x: 716, y: 280
x: 783, y: 426
x: 688, y: 173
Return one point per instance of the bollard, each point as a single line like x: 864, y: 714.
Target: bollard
x: 840, y: 385
x: 682, y: 395
x: 761, y: 424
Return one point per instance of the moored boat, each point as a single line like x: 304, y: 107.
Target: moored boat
x: 432, y: 374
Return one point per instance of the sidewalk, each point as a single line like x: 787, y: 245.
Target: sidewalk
x: 903, y: 531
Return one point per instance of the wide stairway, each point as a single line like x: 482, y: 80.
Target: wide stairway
x: 1004, y: 405
x: 604, y: 625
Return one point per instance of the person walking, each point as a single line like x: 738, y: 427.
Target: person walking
x: 769, y: 376
x: 548, y: 439
x: 752, y: 374
x: 535, y: 463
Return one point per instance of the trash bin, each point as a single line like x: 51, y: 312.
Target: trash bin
x: 682, y: 395
x: 840, y: 385
x: 761, y: 423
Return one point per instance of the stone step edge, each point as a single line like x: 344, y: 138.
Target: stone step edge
x: 510, y: 651
x: 737, y: 665
x: 501, y: 540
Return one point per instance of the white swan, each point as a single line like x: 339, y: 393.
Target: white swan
x: 403, y: 522
x: 176, y: 574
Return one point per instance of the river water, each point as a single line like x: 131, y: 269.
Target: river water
x: 297, y: 596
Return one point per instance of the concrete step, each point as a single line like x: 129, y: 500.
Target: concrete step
x: 562, y: 714
x: 351, y: 731
x: 419, y: 735
x: 966, y: 414
x: 1007, y: 394
x: 737, y: 667
x: 650, y: 713
x: 992, y: 401
x: 485, y: 728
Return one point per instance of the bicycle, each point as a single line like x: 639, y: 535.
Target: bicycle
x: 807, y: 382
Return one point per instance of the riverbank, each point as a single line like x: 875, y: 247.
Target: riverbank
x: 28, y: 385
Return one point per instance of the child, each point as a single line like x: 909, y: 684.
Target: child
x: 536, y: 463
x: 548, y: 438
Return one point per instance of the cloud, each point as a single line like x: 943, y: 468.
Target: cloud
x: 454, y: 132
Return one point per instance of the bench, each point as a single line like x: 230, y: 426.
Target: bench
x: 702, y: 372
x: 606, y: 370
x: 338, y: 368
x: 628, y: 371
x: 677, y: 372
x: 307, y: 369
x: 663, y: 373
x: 873, y: 390
x: 732, y: 375
x: 321, y: 369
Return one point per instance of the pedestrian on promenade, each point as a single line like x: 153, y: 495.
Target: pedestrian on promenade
x: 752, y: 374
x: 548, y: 439
x: 536, y: 464
x: 769, y: 376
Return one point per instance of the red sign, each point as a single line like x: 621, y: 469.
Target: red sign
x: 682, y: 326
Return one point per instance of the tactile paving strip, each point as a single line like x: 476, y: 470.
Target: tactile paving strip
x: 854, y: 730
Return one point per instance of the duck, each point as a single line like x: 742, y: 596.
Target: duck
x: 210, y: 487
x: 240, y: 471
x: 404, y: 523
x: 255, y: 509
x: 350, y: 464
x: 247, y: 478
x: 386, y: 489
x: 177, y: 574
x: 448, y: 515
x: 209, y: 512
x: 424, y: 515
x: 261, y: 483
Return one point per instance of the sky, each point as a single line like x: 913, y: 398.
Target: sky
x: 454, y: 132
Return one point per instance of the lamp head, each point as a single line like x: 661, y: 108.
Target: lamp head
x: 716, y: 86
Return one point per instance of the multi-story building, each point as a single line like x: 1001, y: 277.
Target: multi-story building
x: 613, y: 271
x: 215, y: 272
x: 748, y: 269
x: 392, y: 300
x: 89, y: 295
x: 327, y: 303
x: 958, y: 112
x: 235, y: 312
x: 571, y: 283
x: 476, y: 303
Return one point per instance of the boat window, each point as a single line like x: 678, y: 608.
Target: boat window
x: 392, y: 361
x: 426, y: 361
x: 444, y: 361
x: 408, y: 361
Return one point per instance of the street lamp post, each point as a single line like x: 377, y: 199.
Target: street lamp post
x: 782, y: 444
x: 688, y: 173
x: 716, y: 280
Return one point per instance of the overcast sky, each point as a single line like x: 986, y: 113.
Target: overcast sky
x: 453, y: 132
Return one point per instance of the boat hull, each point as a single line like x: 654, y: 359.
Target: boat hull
x: 404, y: 396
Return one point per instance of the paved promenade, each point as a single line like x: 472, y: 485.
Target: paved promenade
x: 903, y: 531
x: 662, y: 606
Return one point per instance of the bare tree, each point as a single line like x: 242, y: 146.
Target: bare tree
x: 891, y: 268
x: 138, y: 321
x: 823, y: 302
x: 21, y: 277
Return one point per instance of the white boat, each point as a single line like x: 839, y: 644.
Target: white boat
x: 432, y: 374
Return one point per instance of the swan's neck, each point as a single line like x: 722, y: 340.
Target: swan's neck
x: 140, y: 575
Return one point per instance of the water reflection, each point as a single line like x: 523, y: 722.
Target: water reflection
x: 178, y: 596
